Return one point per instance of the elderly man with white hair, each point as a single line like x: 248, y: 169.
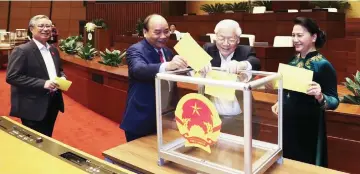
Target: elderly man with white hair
x: 226, y: 51
x: 229, y: 55
x: 31, y: 72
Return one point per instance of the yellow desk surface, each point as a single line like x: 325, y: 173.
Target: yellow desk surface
x: 18, y: 157
x: 142, y: 155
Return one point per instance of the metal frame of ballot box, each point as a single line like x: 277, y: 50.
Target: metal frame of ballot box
x: 169, y: 151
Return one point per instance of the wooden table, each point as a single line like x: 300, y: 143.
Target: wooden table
x: 90, y: 77
x: 142, y: 155
x: 4, y: 59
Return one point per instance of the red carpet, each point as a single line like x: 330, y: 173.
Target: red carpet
x: 78, y: 127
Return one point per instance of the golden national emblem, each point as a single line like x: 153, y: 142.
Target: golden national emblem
x: 198, y: 121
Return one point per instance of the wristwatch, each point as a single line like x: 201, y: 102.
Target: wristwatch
x: 323, y: 104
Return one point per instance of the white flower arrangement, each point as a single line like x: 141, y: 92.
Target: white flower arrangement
x: 90, y: 27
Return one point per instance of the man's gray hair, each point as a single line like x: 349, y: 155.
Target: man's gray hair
x: 228, y: 23
x: 35, y: 18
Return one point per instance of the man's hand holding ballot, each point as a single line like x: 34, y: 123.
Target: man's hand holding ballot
x: 192, y: 52
x: 62, y: 83
x: 176, y: 63
x: 198, y: 59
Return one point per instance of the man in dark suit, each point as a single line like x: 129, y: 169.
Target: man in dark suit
x: 31, y: 72
x: 145, y: 59
x: 234, y: 58
x: 227, y: 53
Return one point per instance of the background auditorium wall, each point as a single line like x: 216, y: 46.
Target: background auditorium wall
x: 65, y: 14
x: 4, y: 7
x: 194, y: 7
x: 355, y: 11
x: 21, y: 12
x: 122, y: 16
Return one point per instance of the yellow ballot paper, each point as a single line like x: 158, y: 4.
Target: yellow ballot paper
x: 63, y: 84
x: 218, y: 91
x: 192, y: 52
x: 294, y: 78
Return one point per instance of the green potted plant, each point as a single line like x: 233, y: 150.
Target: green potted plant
x: 213, y: 8
x: 86, y: 52
x: 112, y: 58
x: 266, y: 3
x: 71, y: 44
x: 100, y: 23
x: 238, y: 6
x: 341, y: 5
x: 139, y: 27
x: 354, y: 87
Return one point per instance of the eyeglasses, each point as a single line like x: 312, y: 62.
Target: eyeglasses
x: 42, y: 26
x: 221, y: 39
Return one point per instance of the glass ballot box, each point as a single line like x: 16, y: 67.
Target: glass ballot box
x: 219, y: 122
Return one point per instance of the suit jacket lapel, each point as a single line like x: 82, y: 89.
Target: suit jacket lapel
x: 239, y: 55
x: 216, y: 62
x: 39, y: 57
x: 154, y: 55
x: 150, y: 50
x: 167, y: 55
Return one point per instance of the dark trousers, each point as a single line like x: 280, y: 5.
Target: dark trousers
x: 300, y: 131
x: 131, y: 136
x: 45, y: 126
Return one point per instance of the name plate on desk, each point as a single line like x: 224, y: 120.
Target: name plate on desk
x: 26, y: 151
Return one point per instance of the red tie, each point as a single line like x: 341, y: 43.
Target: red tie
x: 161, y: 56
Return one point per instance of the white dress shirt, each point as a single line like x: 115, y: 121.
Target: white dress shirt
x: 163, y: 65
x: 223, y: 106
x: 166, y: 86
x: 49, y: 62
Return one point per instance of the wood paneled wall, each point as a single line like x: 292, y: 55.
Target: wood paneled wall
x: 353, y: 27
x: 66, y: 16
x: 343, y: 55
x: 22, y: 11
x: 121, y: 16
x: 194, y: 6
x: 4, y: 7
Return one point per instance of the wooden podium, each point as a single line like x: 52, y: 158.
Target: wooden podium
x: 100, y: 38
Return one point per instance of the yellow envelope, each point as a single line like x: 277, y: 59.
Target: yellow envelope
x: 64, y: 85
x: 295, y: 78
x: 218, y: 91
x: 192, y: 52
